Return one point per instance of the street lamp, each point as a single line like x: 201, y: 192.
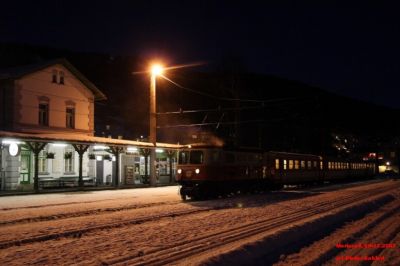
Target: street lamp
x: 156, y: 70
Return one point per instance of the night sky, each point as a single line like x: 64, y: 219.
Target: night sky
x: 349, y: 48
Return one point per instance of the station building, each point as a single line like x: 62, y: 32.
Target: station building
x: 47, y: 135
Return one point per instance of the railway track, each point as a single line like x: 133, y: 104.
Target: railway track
x: 79, y: 232
x: 184, y: 249
x: 97, y: 211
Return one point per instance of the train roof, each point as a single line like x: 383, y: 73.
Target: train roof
x: 294, y: 154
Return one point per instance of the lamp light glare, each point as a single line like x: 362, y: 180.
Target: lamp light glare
x: 157, y: 70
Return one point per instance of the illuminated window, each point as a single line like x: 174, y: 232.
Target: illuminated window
x: 315, y: 164
x: 284, y: 165
x: 290, y: 164
x: 309, y: 164
x: 329, y: 165
x: 321, y: 165
x: 296, y: 164
x: 276, y: 164
x: 303, y: 164
x: 69, y: 160
x: 42, y: 162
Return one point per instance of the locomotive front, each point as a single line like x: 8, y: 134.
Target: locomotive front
x: 191, y: 171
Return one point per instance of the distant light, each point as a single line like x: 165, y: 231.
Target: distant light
x: 99, y: 158
x: 132, y: 149
x: 197, y: 171
x: 157, y: 69
x: 59, y: 144
x: 189, y: 146
x: 11, y: 141
x: 179, y: 171
x: 387, y: 163
x: 100, y: 147
x: 159, y: 150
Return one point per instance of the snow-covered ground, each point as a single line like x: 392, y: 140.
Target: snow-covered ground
x: 153, y: 226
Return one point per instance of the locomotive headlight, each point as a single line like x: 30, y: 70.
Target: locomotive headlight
x: 197, y: 171
x: 179, y: 171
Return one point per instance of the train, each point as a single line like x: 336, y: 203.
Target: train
x: 205, y: 171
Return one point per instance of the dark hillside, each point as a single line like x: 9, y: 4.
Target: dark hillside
x: 288, y: 115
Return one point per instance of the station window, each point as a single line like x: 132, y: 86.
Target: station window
x: 290, y: 164
x: 70, y: 117
x: 61, y: 77
x: 276, y: 164
x: 296, y: 164
x: 54, y: 76
x: 42, y: 162
x: 43, y: 114
x: 69, y: 160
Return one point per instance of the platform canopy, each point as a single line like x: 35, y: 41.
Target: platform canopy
x: 82, y: 139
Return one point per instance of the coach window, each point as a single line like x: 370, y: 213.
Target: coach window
x: 284, y: 164
x: 296, y: 164
x: 196, y: 157
x: 315, y: 164
x: 215, y: 156
x: 277, y: 164
x: 309, y: 164
x: 303, y: 164
x: 290, y: 164
x: 321, y: 165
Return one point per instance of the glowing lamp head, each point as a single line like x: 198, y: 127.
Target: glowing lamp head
x: 157, y: 70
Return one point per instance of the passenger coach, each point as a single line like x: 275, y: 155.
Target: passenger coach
x: 206, y: 171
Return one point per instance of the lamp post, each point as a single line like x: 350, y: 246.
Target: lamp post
x: 155, y: 71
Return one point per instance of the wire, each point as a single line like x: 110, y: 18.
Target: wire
x: 219, y: 109
x: 212, y: 123
x: 210, y: 95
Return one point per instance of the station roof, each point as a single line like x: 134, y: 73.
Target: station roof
x: 82, y: 139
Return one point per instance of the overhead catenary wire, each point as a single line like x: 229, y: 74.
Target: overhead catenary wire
x: 219, y: 109
x: 210, y: 95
